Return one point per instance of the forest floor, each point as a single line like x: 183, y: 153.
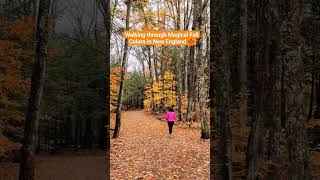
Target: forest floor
x: 84, y: 165
x: 144, y: 150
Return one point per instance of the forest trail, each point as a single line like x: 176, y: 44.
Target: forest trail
x: 62, y: 166
x: 145, y: 151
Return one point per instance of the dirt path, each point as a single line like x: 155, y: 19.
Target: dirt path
x: 66, y: 166
x: 144, y: 150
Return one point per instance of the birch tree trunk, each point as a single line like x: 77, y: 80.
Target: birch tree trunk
x: 27, y: 166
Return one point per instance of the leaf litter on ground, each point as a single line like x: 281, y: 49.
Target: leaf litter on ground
x: 145, y: 151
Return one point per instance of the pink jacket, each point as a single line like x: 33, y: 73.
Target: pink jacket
x: 171, y: 116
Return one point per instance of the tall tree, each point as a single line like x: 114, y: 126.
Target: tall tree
x: 104, y: 136
x: 104, y: 140
x: 297, y: 140
x: 147, y: 23
x: 258, y: 129
x: 149, y: 59
x: 268, y: 89
x: 220, y: 44
x: 201, y: 8
x: 27, y: 166
x: 312, y: 90
x: 191, y: 67
x: 212, y: 89
x: 243, y: 63
x: 123, y: 71
x: 274, y: 100
x: 178, y: 63
x: 317, y: 93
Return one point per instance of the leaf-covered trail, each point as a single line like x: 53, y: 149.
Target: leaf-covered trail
x: 145, y: 151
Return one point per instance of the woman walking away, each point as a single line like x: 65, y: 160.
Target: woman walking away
x: 171, y: 118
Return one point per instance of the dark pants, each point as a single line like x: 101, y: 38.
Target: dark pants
x: 170, y: 124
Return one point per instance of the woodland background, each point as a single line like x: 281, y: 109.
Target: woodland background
x: 265, y: 67
x: 261, y: 59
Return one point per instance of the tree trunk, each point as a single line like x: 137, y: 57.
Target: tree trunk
x: 258, y: 129
x: 268, y: 91
x: 179, y: 86
x: 213, y: 156
x: 144, y: 72
x: 162, y: 74
x: 283, y: 97
x: 185, y: 78
x: 317, y: 84
x: 297, y: 140
x: 203, y: 103
x: 243, y: 65
x: 311, y: 97
x: 179, y: 67
x: 104, y: 134
x: 151, y: 80
x: 185, y: 50
x: 222, y: 88
x: 123, y: 71
x: 191, y: 68
x: 155, y: 65
x: 275, y: 98
x: 37, y: 81
x: 202, y: 76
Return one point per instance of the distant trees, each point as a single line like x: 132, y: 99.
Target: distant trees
x: 73, y: 88
x: 134, y: 90
x: 67, y: 92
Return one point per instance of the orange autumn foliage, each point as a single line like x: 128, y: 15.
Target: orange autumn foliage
x: 53, y: 54
x: 15, y: 51
x: 22, y: 30
x: 114, y: 86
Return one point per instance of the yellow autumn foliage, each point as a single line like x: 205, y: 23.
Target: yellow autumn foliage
x: 164, y: 91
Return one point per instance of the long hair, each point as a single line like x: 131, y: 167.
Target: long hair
x: 170, y: 109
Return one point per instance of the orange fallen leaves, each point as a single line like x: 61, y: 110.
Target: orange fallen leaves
x: 144, y: 150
